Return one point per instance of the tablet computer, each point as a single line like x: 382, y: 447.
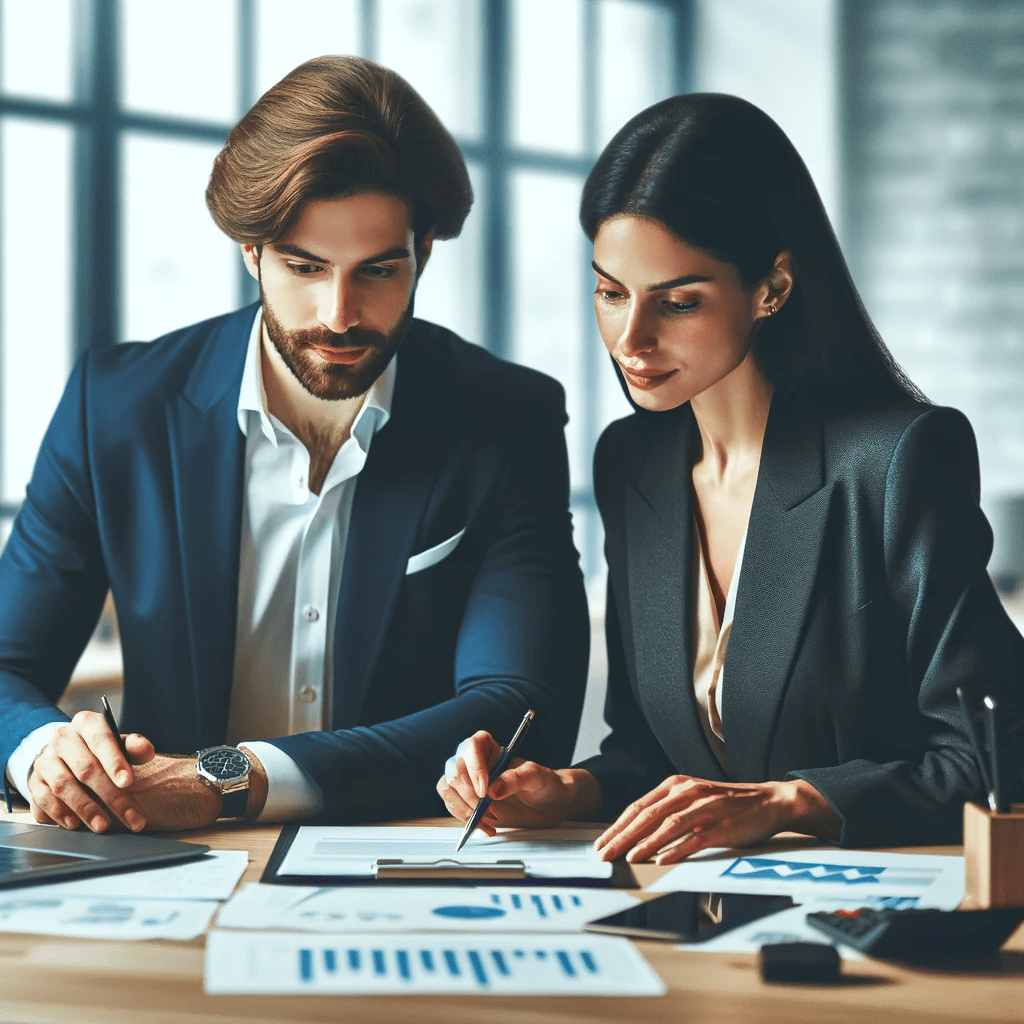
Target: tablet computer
x: 33, y: 854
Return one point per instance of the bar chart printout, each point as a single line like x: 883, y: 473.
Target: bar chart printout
x: 272, y: 962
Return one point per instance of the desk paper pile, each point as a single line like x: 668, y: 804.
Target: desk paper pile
x: 157, y: 903
x: 377, y: 939
x: 822, y: 879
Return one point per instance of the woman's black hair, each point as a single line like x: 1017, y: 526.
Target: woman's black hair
x: 723, y: 177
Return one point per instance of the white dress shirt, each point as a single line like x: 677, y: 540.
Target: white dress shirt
x: 290, y: 560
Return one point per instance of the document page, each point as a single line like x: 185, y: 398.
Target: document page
x: 248, y: 962
x: 353, y: 851
x: 855, y: 877
x: 419, y: 909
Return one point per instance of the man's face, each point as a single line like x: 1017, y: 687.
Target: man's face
x: 337, y: 291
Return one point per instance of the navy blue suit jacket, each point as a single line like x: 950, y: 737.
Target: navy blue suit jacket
x: 139, y: 486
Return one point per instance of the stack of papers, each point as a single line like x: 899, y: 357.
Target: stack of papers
x: 827, y: 879
x: 157, y: 903
x: 380, y: 939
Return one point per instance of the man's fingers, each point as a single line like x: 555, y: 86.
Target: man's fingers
x: 93, y: 729
x: 140, y: 750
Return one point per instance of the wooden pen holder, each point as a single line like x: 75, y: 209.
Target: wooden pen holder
x: 994, y: 856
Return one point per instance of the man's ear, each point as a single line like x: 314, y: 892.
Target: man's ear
x: 251, y: 259
x: 423, y: 251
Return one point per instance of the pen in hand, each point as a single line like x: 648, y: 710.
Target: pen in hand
x: 108, y: 716
x: 499, y: 766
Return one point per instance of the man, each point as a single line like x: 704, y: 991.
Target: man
x: 336, y: 537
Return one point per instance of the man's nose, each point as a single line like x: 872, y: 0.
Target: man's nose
x: 339, y: 307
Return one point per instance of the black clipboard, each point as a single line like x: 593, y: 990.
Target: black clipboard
x: 392, y: 871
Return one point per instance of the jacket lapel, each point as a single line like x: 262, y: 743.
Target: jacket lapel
x: 780, y: 562
x: 659, y: 555
x: 207, y: 452
x: 387, y: 511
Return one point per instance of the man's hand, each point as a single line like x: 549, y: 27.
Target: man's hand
x: 174, y: 799
x: 526, y: 795
x: 81, y: 776
x: 684, y: 815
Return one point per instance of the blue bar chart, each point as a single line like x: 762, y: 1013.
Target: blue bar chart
x: 426, y: 963
x: 419, y: 909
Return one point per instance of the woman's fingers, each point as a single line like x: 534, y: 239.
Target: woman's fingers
x: 683, y: 815
x: 478, y: 753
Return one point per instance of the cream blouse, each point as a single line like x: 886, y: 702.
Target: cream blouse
x: 710, y: 643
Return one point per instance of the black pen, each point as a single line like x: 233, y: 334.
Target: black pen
x: 109, y: 716
x: 995, y: 799
x: 499, y: 766
x: 972, y: 735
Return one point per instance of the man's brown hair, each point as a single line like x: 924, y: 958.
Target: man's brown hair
x: 337, y: 126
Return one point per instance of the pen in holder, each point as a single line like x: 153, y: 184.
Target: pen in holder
x: 994, y: 856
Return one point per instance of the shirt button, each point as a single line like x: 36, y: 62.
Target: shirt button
x: 310, y: 613
x: 307, y: 694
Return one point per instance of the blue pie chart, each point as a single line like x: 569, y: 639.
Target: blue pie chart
x: 472, y: 913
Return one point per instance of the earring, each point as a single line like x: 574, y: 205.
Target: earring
x: 772, y: 310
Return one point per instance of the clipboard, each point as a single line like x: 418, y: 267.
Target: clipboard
x: 388, y: 870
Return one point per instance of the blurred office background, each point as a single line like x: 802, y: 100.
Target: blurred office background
x: 906, y: 111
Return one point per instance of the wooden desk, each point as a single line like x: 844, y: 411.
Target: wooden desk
x: 47, y: 979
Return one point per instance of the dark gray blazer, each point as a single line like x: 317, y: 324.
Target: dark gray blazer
x: 863, y: 602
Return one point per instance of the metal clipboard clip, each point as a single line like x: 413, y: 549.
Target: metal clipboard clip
x: 446, y: 868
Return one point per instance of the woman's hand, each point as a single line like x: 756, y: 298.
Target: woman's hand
x: 684, y: 815
x: 526, y: 795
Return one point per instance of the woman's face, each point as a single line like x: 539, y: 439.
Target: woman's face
x: 676, y: 320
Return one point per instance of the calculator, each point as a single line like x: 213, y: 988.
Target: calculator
x: 914, y: 934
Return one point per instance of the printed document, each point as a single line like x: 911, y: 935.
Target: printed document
x: 579, y: 965
x: 419, y: 909
x: 353, y: 852
x: 853, y: 877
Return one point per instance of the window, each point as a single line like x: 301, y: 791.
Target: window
x: 106, y: 145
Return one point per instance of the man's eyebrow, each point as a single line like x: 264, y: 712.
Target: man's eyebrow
x: 399, y: 252
x: 661, y: 286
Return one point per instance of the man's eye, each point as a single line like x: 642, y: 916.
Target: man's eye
x: 377, y: 271
x: 305, y: 269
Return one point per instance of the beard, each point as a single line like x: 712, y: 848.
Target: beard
x: 335, y: 381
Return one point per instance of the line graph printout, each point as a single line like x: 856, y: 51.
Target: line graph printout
x: 856, y: 877
x: 273, y: 962
x: 415, y: 908
x: 352, y: 851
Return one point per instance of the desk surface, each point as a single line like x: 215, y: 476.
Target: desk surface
x: 48, y: 979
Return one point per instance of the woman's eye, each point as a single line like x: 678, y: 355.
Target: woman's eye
x: 608, y: 295
x: 681, y: 307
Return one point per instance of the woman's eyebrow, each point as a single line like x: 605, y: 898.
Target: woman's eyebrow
x: 661, y: 286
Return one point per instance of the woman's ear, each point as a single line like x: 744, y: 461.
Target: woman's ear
x: 776, y: 286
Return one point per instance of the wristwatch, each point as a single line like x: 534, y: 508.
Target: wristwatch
x: 226, y: 769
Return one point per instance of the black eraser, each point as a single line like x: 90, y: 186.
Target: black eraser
x: 800, y: 961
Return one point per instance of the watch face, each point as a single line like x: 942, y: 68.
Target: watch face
x: 224, y: 763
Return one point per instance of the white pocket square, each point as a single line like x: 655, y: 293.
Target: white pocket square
x: 425, y: 559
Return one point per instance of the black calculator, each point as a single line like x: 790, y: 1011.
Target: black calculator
x: 913, y: 934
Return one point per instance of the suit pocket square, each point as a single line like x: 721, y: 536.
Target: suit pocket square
x: 439, y: 552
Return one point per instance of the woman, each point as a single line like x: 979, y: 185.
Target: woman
x: 782, y: 493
